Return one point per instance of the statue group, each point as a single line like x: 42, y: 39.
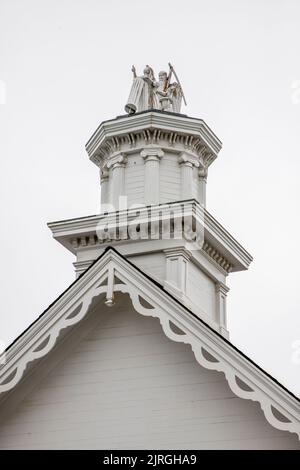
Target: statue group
x: 148, y: 93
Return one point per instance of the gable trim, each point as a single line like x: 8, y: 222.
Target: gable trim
x: 211, y: 350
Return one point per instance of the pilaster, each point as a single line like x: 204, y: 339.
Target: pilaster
x: 187, y: 163
x: 221, y: 312
x: 151, y: 158
x: 177, y: 270
x: 117, y: 164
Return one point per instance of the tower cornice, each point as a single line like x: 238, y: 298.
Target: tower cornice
x: 218, y: 245
x: 167, y: 130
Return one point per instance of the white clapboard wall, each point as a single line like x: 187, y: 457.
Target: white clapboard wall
x: 169, y: 178
x: 125, y: 385
x: 135, y: 180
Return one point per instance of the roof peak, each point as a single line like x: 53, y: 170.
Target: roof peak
x: 111, y: 273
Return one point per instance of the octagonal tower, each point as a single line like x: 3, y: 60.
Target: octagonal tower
x: 153, y: 157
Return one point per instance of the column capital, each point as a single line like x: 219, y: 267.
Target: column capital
x: 176, y: 252
x: 152, y: 154
x: 221, y: 288
x: 188, y: 159
x: 117, y: 160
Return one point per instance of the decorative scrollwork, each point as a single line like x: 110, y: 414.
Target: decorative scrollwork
x: 205, y: 355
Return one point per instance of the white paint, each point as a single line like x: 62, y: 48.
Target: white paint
x: 201, y: 179
x: 62, y: 96
x: 153, y: 264
x: 185, y: 142
x: 127, y: 386
x: 135, y: 179
x: 117, y: 165
x: 201, y: 291
x: 177, y: 262
x: 245, y: 380
x: 152, y: 157
x: 170, y: 178
x: 104, y: 183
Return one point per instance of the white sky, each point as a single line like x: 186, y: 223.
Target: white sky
x: 66, y: 67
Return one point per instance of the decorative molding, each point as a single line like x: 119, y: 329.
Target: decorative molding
x: 221, y: 308
x: 188, y: 159
x: 151, y: 156
x: 222, y: 289
x: 85, y: 241
x: 210, y: 350
x: 152, y: 153
x: 212, y: 252
x: 177, y: 270
x: 216, y: 256
x: 187, y: 162
x: 178, y: 251
x: 220, y: 245
x: 202, y: 173
x: 154, y: 128
x: 117, y: 160
x: 81, y: 266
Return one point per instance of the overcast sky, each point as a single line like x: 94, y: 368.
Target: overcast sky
x: 65, y: 65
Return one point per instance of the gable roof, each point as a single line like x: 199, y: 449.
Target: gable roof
x: 110, y: 273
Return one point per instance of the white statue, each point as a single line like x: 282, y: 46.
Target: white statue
x: 147, y: 93
x: 142, y: 92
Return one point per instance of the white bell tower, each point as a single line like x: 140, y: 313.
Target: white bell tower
x: 153, y: 170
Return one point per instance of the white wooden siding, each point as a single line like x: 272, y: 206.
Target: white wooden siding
x: 201, y: 291
x: 153, y: 264
x: 170, y: 183
x: 127, y: 386
x: 134, y: 180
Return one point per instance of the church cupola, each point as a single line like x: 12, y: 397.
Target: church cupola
x: 153, y: 163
